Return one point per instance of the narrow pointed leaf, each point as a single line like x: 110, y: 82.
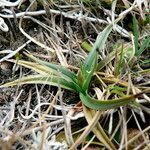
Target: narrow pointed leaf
x: 145, y: 44
x: 106, y: 104
x: 57, y: 68
x: 44, y: 70
x: 88, y: 69
x: 34, y: 66
x: 102, y: 38
x: 90, y: 64
x: 42, y: 79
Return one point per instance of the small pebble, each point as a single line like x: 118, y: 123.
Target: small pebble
x: 6, y: 67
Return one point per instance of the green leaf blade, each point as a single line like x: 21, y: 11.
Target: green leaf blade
x: 43, y: 79
x: 135, y: 33
x: 57, y: 68
x: 89, y: 68
x: 106, y: 104
x: 145, y: 44
x: 90, y: 65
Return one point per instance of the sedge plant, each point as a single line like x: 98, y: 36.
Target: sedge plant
x: 56, y: 75
x: 59, y: 76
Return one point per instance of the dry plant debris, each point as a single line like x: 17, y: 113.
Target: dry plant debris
x: 41, y: 116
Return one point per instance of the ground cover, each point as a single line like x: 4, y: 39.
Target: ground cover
x: 74, y: 74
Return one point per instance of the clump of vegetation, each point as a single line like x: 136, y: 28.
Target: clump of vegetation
x: 108, y: 79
